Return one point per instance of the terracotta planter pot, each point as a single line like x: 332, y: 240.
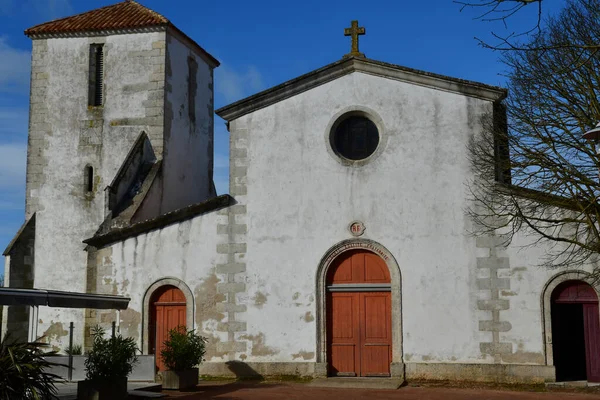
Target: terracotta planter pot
x: 180, y: 379
x: 115, y: 389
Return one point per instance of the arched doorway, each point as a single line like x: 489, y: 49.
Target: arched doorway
x: 575, y: 332
x: 167, y: 311
x: 359, y: 317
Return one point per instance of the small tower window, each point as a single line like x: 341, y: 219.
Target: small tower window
x: 89, y: 179
x: 96, y: 75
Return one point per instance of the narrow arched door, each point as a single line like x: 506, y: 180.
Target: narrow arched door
x: 359, y: 332
x: 576, y: 332
x: 168, y: 311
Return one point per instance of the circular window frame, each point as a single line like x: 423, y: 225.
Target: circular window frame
x: 355, y: 111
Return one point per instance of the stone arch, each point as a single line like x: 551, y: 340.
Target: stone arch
x: 546, y: 300
x: 189, y: 310
x: 397, y: 367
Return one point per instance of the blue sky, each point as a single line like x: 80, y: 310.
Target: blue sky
x: 260, y: 44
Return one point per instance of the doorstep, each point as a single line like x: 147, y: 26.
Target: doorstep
x: 572, y: 384
x: 357, y: 383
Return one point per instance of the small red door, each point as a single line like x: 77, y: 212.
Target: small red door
x: 576, y: 298
x: 359, y: 322
x: 168, y: 312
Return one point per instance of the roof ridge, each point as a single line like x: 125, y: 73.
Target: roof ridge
x: 140, y: 8
x: 157, y: 14
x: 74, y: 15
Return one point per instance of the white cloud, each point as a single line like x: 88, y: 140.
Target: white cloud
x: 234, y: 85
x: 14, y: 68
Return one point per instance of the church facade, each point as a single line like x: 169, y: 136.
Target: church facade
x: 343, y: 247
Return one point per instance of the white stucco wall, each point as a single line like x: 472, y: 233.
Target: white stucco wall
x: 74, y: 135
x: 188, y: 157
x: 412, y: 199
x: 185, y: 252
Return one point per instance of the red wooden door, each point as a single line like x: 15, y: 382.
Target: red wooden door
x: 168, y: 312
x: 582, y: 294
x: 359, y: 322
x: 592, y: 344
x: 376, y: 333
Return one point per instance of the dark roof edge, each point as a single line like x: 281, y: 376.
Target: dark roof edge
x: 161, y: 221
x: 354, y: 64
x: 18, y: 234
x: 212, y: 61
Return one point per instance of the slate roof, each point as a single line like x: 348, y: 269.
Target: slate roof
x: 128, y: 14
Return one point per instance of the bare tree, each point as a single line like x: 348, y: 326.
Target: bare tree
x: 503, y: 10
x: 550, y: 184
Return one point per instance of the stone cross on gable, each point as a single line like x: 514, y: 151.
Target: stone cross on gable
x: 354, y: 31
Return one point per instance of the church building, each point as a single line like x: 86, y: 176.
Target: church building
x: 343, y: 248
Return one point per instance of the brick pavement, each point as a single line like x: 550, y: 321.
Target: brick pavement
x: 268, y: 391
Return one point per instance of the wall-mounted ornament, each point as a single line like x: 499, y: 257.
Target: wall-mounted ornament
x: 356, y: 228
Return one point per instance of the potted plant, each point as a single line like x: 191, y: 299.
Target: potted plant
x: 25, y: 371
x: 182, y: 353
x: 107, y: 366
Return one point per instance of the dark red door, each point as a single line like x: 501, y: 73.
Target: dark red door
x: 168, y: 312
x: 592, y: 344
x: 359, y: 322
x: 576, y: 302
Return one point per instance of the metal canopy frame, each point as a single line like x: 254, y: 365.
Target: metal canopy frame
x: 56, y: 298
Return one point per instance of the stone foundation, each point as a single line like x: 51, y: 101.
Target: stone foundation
x: 501, y: 373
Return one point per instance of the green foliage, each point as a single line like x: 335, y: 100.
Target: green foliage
x: 183, y: 350
x: 23, y: 371
x: 110, y: 358
x: 77, y: 350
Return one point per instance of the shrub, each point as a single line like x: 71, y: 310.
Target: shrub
x: 110, y: 358
x: 183, y: 350
x: 23, y: 371
x: 75, y: 351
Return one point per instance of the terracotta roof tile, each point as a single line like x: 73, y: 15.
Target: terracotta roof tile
x: 125, y: 15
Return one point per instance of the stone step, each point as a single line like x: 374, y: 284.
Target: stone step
x: 357, y: 383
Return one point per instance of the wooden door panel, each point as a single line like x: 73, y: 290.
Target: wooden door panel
x: 376, y: 333
x: 375, y: 269
x: 344, y: 321
x: 375, y: 360
x: 376, y: 327
x: 344, y: 333
x: 343, y: 357
x: 592, y: 343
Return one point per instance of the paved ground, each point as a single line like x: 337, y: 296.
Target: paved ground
x: 266, y: 391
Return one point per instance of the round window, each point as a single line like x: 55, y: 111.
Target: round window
x: 355, y: 138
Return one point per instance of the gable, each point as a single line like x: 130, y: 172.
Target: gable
x: 356, y: 64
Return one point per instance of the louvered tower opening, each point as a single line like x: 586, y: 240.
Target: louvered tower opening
x: 96, y: 75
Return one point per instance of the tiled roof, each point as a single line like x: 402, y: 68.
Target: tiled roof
x: 124, y: 15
